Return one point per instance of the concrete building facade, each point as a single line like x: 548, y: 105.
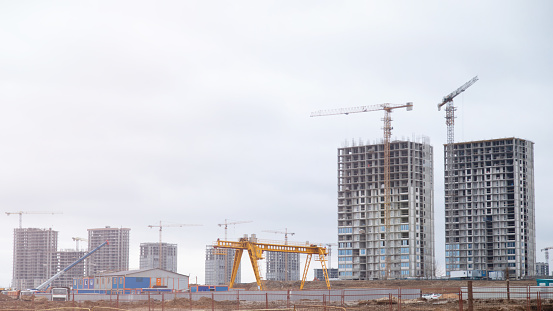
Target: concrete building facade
x: 218, y: 266
x: 361, y: 211
x: 149, y: 256
x: 282, y: 266
x: 61, y: 260
x: 542, y: 269
x: 112, y: 257
x: 32, y: 256
x: 489, y: 209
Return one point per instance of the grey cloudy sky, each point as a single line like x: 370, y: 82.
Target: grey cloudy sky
x: 125, y: 113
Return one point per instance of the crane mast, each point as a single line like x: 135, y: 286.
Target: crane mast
x: 450, y: 122
x: 387, y: 138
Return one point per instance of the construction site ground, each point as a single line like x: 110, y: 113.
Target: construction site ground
x: 448, y: 301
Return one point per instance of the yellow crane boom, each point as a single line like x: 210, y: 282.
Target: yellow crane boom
x: 255, y: 251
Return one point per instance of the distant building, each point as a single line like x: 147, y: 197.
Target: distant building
x: 490, y: 208
x: 112, y: 257
x: 319, y: 275
x: 282, y: 266
x: 61, y: 260
x: 32, y: 256
x: 542, y: 269
x: 218, y: 266
x: 149, y: 256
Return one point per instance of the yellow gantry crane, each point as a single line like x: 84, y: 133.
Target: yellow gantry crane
x: 21, y: 215
x: 225, y: 251
x: 255, y: 250
x: 387, y: 108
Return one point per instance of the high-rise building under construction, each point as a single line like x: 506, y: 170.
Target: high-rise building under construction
x: 149, y: 256
x: 32, y: 256
x: 489, y: 209
x: 112, y: 257
x: 218, y: 266
x: 368, y: 248
x: 282, y: 266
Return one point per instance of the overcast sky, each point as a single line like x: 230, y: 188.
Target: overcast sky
x: 127, y: 113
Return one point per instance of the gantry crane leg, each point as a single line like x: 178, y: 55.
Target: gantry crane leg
x: 307, y: 262
x: 235, y: 266
x: 325, y: 271
x: 255, y: 255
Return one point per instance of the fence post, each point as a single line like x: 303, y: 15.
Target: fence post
x: 470, y: 297
x: 538, y: 298
x: 508, y: 291
x: 190, y: 299
x: 266, y: 300
x: 149, y: 302
x: 238, y: 299
x: 399, y: 299
x: 288, y: 299
x: 528, y: 298
x: 117, y: 301
x: 390, y: 300
x: 162, y: 301
x: 460, y: 299
x: 342, y: 298
x: 212, y: 301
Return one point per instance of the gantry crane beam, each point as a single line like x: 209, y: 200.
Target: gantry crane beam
x: 255, y: 251
x: 387, y: 108
x: 160, y: 230
x: 20, y: 213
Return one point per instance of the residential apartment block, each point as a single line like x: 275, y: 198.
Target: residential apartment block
x: 32, y: 256
x: 218, y: 266
x: 361, y: 211
x: 489, y: 209
x: 282, y: 266
x: 149, y: 256
x: 112, y: 257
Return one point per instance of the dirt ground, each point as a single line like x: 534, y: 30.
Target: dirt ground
x: 448, y: 301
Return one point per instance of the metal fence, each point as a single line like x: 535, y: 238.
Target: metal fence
x: 466, y: 298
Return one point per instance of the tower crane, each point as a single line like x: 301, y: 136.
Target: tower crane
x: 450, y: 122
x: 387, y: 108
x: 22, y: 212
x: 547, y: 254
x: 286, y: 233
x: 77, y: 239
x: 232, y: 223
x: 160, y: 229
